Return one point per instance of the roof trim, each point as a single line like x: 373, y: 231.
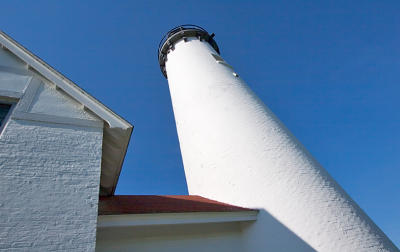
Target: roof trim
x: 62, y: 82
x: 116, y: 131
x: 131, y: 220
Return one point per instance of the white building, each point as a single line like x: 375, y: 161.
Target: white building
x: 61, y: 153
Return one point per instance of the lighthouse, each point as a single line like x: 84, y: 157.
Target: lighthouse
x: 235, y: 150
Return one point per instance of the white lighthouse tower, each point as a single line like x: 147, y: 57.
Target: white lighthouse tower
x: 235, y: 150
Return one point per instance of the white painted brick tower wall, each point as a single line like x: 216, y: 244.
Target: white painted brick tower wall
x: 236, y: 150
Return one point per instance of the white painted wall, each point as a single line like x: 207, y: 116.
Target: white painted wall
x: 8, y: 79
x: 235, y: 150
x: 7, y: 59
x: 13, y: 82
x: 217, y: 237
x: 62, y: 105
x: 49, y: 170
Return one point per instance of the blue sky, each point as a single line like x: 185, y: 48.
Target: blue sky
x: 328, y: 69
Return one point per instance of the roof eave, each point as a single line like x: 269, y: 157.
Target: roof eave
x: 117, y: 126
x: 131, y: 220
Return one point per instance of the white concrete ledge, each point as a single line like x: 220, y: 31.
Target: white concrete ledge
x: 130, y: 220
x: 56, y: 119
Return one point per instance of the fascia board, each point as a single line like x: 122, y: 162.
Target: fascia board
x: 130, y: 220
x: 63, y: 83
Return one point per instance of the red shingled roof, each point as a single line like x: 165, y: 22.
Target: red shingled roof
x: 140, y: 204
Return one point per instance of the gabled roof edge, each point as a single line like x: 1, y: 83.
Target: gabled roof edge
x: 63, y: 83
x: 118, y: 173
x: 115, y: 122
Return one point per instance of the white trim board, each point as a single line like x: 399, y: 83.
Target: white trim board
x: 63, y: 83
x: 18, y: 115
x: 115, y: 125
x: 29, y: 94
x: 15, y: 70
x: 10, y: 94
x: 130, y: 220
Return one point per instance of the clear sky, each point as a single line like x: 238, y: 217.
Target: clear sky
x: 328, y: 69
